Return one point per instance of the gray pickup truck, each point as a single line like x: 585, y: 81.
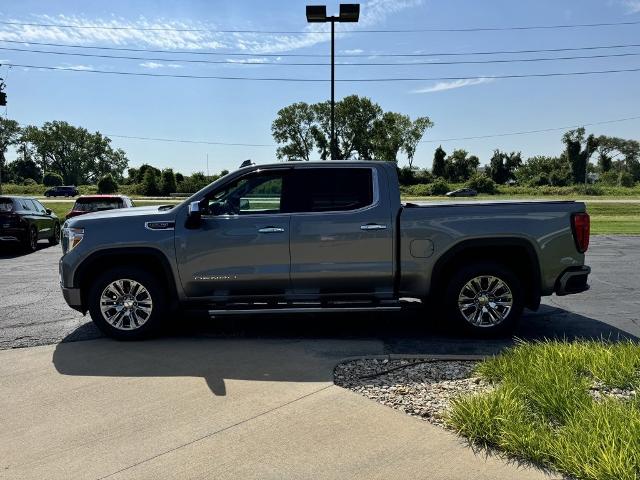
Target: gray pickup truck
x: 321, y: 237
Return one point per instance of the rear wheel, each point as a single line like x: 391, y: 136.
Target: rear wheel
x: 55, y: 238
x: 485, y: 298
x: 127, y: 303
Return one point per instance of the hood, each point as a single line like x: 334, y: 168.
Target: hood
x: 119, y: 213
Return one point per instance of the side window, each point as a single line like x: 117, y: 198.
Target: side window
x: 39, y: 207
x: 26, y: 204
x: 255, y: 193
x: 331, y: 189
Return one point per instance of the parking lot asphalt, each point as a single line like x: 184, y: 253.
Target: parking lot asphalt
x: 33, y: 312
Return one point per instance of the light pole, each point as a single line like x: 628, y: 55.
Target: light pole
x: 349, y: 12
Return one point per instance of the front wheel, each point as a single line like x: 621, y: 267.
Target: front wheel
x: 31, y: 239
x: 485, y: 298
x: 127, y: 303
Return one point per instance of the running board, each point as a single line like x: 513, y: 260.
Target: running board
x: 253, y: 311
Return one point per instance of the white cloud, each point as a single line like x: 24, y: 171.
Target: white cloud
x: 633, y: 6
x: 442, y: 86
x: 170, y: 34
x: 353, y: 51
x: 249, y: 60
x: 154, y: 65
x: 76, y: 67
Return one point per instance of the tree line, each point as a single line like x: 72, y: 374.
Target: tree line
x: 58, y: 153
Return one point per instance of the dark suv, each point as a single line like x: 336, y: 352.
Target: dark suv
x: 25, y: 221
x: 62, y: 191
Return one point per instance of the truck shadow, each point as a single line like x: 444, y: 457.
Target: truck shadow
x: 301, y: 348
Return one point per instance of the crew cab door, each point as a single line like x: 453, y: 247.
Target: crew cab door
x: 341, y: 232
x: 241, y: 246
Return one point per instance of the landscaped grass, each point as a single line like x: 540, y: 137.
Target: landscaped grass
x: 62, y: 208
x: 606, y: 218
x: 541, y: 409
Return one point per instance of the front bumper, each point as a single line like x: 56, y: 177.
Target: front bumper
x: 12, y: 235
x: 73, y: 298
x: 573, y: 280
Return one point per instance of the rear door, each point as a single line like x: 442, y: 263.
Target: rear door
x: 341, y: 232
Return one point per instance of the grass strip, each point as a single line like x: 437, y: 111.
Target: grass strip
x: 542, y: 409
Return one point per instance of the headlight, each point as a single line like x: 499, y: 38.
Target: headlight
x: 71, y: 237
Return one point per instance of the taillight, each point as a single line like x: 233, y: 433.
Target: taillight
x: 581, y: 226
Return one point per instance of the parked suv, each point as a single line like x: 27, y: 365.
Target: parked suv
x: 321, y: 237
x: 97, y: 203
x: 25, y: 221
x: 62, y: 191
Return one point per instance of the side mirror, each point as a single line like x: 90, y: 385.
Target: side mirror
x: 194, y: 216
x: 244, y: 204
x: 49, y: 212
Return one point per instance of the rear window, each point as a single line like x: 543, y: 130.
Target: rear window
x: 6, y: 205
x: 331, y: 189
x: 96, y: 204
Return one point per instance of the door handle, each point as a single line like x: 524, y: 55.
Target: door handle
x: 271, y: 230
x: 373, y: 226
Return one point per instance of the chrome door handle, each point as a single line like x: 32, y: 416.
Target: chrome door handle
x: 271, y: 230
x: 373, y: 226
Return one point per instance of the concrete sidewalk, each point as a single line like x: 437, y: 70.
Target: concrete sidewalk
x: 212, y: 408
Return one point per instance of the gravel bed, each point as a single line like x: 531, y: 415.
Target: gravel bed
x: 421, y: 388
x: 598, y: 391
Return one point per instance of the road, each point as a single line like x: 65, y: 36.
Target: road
x: 32, y: 311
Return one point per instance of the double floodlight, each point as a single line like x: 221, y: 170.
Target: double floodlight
x: 349, y: 12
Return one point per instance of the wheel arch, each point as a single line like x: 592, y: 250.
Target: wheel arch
x: 148, y: 258
x: 508, y: 251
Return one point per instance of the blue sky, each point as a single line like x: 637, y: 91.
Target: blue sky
x: 242, y: 111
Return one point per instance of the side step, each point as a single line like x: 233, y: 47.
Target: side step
x: 254, y: 311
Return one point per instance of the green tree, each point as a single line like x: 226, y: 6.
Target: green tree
x: 541, y: 170
x: 78, y: 155
x: 412, y: 136
x: 461, y: 166
x: 52, y: 179
x: 140, y: 173
x: 388, y: 135
x: 107, y: 184
x: 502, y: 166
x: 168, y: 182
x: 150, y: 183
x: 363, y: 130
x: 9, y: 135
x: 578, y: 151
x: 439, y: 167
x: 294, y: 127
x: 23, y: 168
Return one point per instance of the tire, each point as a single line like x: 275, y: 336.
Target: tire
x: 55, y: 238
x: 31, y: 240
x: 492, y: 294
x: 149, y: 300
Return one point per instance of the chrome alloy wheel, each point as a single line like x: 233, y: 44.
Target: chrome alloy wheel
x: 485, y: 301
x: 126, y: 304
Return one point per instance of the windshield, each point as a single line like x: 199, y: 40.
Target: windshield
x: 94, y: 204
x: 6, y: 205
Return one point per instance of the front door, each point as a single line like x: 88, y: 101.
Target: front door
x: 242, y: 245
x: 341, y: 232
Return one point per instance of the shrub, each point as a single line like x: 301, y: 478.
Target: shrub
x: 150, y: 183
x: 439, y: 187
x: 107, y: 184
x: 482, y: 184
x: 29, y: 181
x: 168, y: 182
x: 52, y: 179
x: 625, y: 179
